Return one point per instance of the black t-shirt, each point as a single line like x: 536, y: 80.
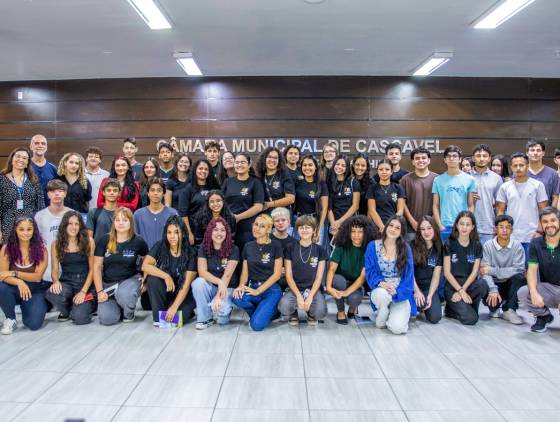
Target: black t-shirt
x: 423, y: 273
x: 77, y: 197
x: 285, y: 243
x: 386, y: 198
x: 462, y: 258
x: 340, y: 196
x: 175, y: 269
x: 295, y: 174
x: 241, y: 195
x: 217, y: 266
x: 260, y: 259
x: 395, y: 177
x: 307, y: 194
x: 277, y: 186
x: 548, y: 260
x: 123, y: 264
x: 305, y: 261
x: 165, y: 174
x: 365, y: 183
x: 191, y: 199
x: 175, y: 186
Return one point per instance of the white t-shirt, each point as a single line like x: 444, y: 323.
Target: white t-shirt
x: 95, y: 180
x: 521, y: 201
x: 48, y: 227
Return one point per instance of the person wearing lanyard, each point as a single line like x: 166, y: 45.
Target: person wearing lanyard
x: 279, y: 190
x: 20, y: 191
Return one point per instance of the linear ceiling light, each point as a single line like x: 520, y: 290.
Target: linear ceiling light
x: 500, y: 12
x: 434, y: 62
x: 151, y: 13
x: 187, y: 63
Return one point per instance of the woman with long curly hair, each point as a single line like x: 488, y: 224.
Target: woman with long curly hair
x: 72, y: 171
x: 217, y: 260
x: 178, y: 180
x: 279, y: 189
x: 346, y: 274
x: 390, y: 274
x: 72, y: 252
x: 214, y: 207
x: 23, y: 260
x: 150, y: 169
x: 130, y: 189
x: 170, y: 268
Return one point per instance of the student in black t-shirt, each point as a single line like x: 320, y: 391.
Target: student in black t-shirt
x: 305, y: 266
x: 428, y: 260
x: 393, y: 153
x: 258, y: 292
x: 362, y: 173
x: 385, y: 198
x: 214, y: 207
x: 281, y: 219
x: 195, y: 194
x: 217, y: 261
x: 279, y: 190
x: 100, y: 220
x: 226, y: 167
x: 462, y: 254
x: 71, y: 170
x: 72, y: 252
x: 170, y: 268
x: 312, y: 196
x: 115, y: 269
x: 344, y: 194
x: 244, y: 194
x: 178, y: 180
x: 149, y: 169
x: 292, y: 154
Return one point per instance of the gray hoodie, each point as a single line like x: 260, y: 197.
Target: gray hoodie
x: 503, y: 262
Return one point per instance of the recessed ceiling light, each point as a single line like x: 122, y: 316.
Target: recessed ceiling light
x: 314, y: 1
x: 500, y: 13
x: 434, y: 62
x: 150, y: 13
x: 188, y: 64
x: 107, y: 52
x: 349, y: 50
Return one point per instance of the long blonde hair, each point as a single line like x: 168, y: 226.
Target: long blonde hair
x: 82, y: 179
x: 112, y: 245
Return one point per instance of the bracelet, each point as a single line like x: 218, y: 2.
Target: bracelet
x: 99, y: 291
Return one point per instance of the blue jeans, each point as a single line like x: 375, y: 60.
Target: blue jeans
x: 32, y: 311
x: 445, y: 233
x: 260, y: 308
x: 526, y: 249
x: 203, y: 293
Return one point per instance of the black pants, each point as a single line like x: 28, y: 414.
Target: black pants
x: 508, y: 292
x: 71, y: 285
x: 465, y: 313
x: 433, y: 313
x: 161, y: 300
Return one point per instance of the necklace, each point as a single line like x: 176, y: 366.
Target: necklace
x: 305, y: 261
x: 385, y: 189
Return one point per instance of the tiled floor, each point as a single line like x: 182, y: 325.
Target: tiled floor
x: 135, y: 372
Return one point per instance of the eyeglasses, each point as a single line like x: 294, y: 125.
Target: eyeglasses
x: 240, y: 163
x: 453, y: 157
x: 21, y: 157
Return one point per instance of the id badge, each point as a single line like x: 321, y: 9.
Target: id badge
x: 19, y: 204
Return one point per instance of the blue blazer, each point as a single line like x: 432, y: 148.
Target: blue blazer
x: 405, y: 289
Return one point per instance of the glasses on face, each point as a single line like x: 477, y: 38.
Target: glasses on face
x: 21, y: 157
x: 240, y: 163
x: 453, y: 157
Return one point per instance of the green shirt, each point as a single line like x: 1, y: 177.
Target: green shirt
x: 350, y: 262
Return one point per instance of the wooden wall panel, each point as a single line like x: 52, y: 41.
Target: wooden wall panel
x: 27, y: 111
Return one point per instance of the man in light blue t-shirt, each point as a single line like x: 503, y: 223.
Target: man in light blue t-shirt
x: 453, y: 192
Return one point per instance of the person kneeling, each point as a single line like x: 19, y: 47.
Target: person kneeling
x: 72, y: 252
x: 217, y: 260
x: 390, y: 274
x: 115, y: 269
x: 305, y: 266
x: 170, y: 268
x: 258, y: 292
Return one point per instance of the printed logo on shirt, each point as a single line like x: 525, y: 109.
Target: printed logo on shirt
x: 347, y: 191
x: 265, y: 257
x: 244, y: 191
x: 314, y: 261
x: 53, y: 228
x: 457, y: 189
x: 394, y: 196
x: 312, y: 194
x: 223, y: 262
x: 300, y: 177
x: 432, y: 262
x: 471, y: 259
x: 204, y: 192
x: 275, y: 184
x: 454, y: 258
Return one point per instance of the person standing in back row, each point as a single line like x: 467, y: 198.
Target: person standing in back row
x: 94, y: 173
x: 43, y: 169
x: 393, y: 153
x: 544, y: 174
x: 129, y: 151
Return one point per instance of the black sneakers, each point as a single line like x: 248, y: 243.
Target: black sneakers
x: 542, y: 321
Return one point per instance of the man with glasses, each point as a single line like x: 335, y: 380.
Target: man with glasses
x: 453, y: 192
x: 45, y: 170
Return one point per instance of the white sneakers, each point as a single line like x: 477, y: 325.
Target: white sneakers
x: 8, y: 326
x: 495, y: 314
x: 512, y: 316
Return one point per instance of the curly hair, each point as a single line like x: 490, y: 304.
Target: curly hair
x: 473, y: 236
x: 61, y: 171
x: 419, y: 247
x: 287, y: 149
x: 36, y: 245
x: 343, y: 236
x: 401, y: 245
x: 130, y: 186
x: 62, y: 240
x: 186, y: 252
x: 208, y: 244
x: 260, y: 165
x: 211, y: 182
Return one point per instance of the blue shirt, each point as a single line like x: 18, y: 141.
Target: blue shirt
x: 453, y: 194
x: 45, y: 174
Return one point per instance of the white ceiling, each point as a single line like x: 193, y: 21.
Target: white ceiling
x: 66, y: 39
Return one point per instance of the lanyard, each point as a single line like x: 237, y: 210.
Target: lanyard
x: 19, y: 189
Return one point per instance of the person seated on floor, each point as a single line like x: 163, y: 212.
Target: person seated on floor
x: 346, y: 274
x: 462, y: 254
x: 543, y: 275
x: 116, y: 269
x: 170, y: 268
x: 23, y: 260
x: 258, y: 292
x: 390, y: 274
x: 217, y: 276
x: 428, y: 261
x: 72, y: 252
x: 503, y: 269
x: 305, y: 265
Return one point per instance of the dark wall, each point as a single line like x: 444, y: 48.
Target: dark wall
x: 358, y: 112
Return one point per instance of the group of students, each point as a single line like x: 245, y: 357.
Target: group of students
x: 218, y: 234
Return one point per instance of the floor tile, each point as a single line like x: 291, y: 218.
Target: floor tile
x: 522, y: 394
x: 448, y: 327
x: 412, y: 345
x: 95, y: 389
x: 251, y: 415
x: 329, y: 327
x: 529, y: 343
x: 421, y: 365
x: 162, y: 414
x: 176, y: 391
x: 357, y: 416
x: 265, y: 365
x: 268, y: 344
x: 350, y: 394
x: 341, y: 366
x: 531, y: 415
x: 334, y: 345
x: 11, y: 410
x: 453, y: 415
x: 201, y: 343
x: 466, y: 344
x: 26, y: 386
x: 263, y: 393
x: 61, y: 412
x: 546, y: 364
x: 489, y: 365
x: 192, y: 364
x: 278, y: 328
x: 434, y: 394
